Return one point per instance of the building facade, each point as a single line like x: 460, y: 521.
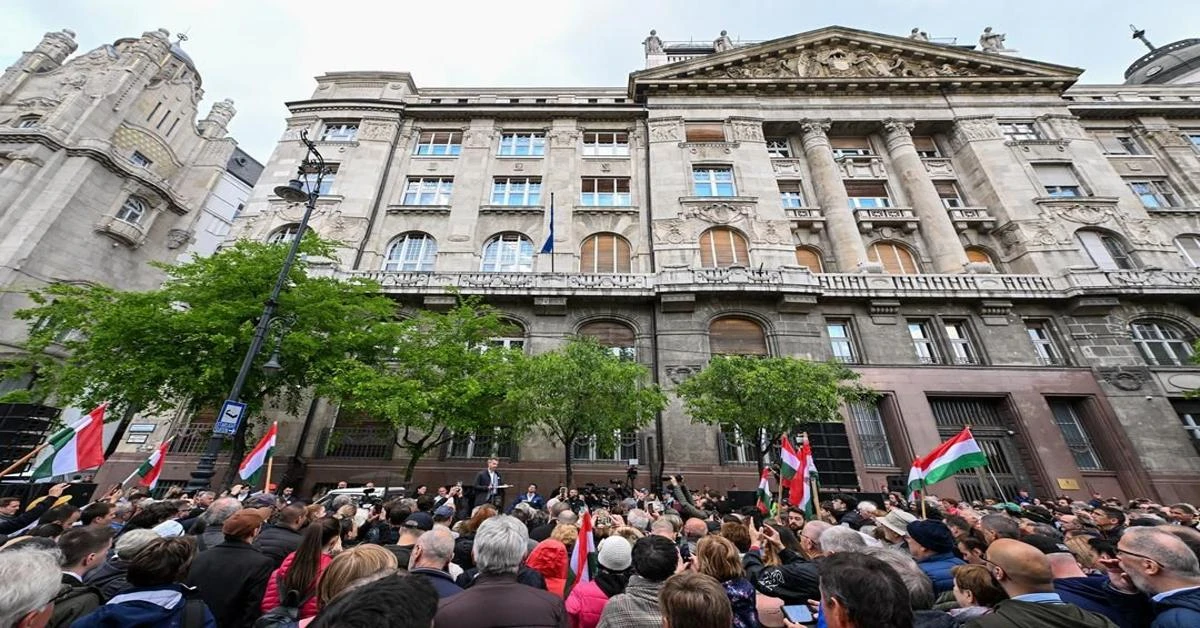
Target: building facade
x: 985, y: 241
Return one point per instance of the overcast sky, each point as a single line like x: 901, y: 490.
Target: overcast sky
x: 263, y: 53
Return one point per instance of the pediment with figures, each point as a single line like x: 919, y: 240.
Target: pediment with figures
x: 838, y: 55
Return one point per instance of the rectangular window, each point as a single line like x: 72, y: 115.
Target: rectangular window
x: 713, y: 181
x: 851, y: 146
x: 958, y: 341
x: 1193, y: 138
x: 778, y: 148
x: 841, y: 341
x: 483, y: 444
x: 923, y: 342
x: 428, y: 191
x: 526, y: 191
x: 1106, y: 251
x: 738, y: 448
x: 606, y: 144
x: 309, y: 179
x: 140, y: 160
x: 867, y: 194
x: 605, y: 192
x: 1155, y: 194
x: 586, y: 448
x: 948, y: 191
x: 1019, y: 131
x: 1067, y: 415
x: 791, y: 194
x: 872, y: 437
x: 925, y: 146
x: 439, y: 143
x: 1043, y: 343
x: 704, y: 132
x: 1189, y: 416
x: 522, y: 145
x: 1120, y: 144
x: 1058, y: 179
x: 339, y: 132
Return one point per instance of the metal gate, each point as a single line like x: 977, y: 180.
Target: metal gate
x: 1005, y: 473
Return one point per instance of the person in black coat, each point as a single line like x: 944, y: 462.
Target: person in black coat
x: 19, y: 522
x: 278, y: 540
x: 489, y: 488
x: 231, y: 577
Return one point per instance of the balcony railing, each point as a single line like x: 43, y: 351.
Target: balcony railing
x: 357, y: 442
x: 191, y: 439
x: 545, y: 284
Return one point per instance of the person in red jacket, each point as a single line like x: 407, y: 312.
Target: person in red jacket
x: 549, y: 558
x: 302, y: 569
x: 586, y: 601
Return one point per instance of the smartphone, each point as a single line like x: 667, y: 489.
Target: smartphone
x: 798, y: 613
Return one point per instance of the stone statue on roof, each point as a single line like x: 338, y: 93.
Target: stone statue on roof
x: 918, y: 34
x: 723, y: 43
x: 991, y: 42
x: 653, y: 44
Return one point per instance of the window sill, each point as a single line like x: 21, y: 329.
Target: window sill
x: 435, y: 156
x: 336, y: 142
x: 1130, y: 156
x: 1084, y: 198
x: 542, y: 156
x: 607, y: 209
x: 418, y: 209
x: 603, y: 157
x: 723, y: 144
x: 512, y: 209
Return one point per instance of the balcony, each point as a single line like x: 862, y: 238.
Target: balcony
x: 939, y: 167
x: 533, y: 284
x: 873, y: 218
x: 976, y: 218
x: 1142, y: 281
x: 964, y: 286
x: 357, y: 442
x: 862, y: 167
x: 736, y: 279
x: 810, y: 217
x: 191, y: 439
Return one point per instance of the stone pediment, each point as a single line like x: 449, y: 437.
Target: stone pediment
x: 838, y: 56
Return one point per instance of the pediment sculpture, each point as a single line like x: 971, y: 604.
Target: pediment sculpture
x: 842, y: 62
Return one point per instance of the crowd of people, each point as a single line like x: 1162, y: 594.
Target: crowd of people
x: 679, y: 559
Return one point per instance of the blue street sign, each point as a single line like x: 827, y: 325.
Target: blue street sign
x: 230, y: 418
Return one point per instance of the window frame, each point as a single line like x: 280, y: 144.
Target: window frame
x: 1074, y: 189
x: 712, y: 250
x: 926, y: 152
x: 738, y: 444
x: 496, y: 446
x: 309, y: 176
x: 514, y: 254
x: 1161, y: 193
x: 281, y: 233
x: 849, y: 342
x: 932, y: 352
x: 816, y: 253
x: 339, y: 131
x: 849, y: 151
x: 596, y: 197
x: 416, y: 189
x: 713, y: 180
x: 1106, y: 250
x: 511, y: 143
x: 950, y: 187
x: 624, y: 440
x: 791, y: 198
x: 857, y: 200
x: 873, y: 251
x: 1174, y: 342
x: 1083, y: 445
x: 424, y: 147
x: 1020, y: 130
x: 397, y: 260
x: 529, y: 191
x: 779, y: 148
x: 1195, y: 241
x: 596, y: 148
x: 141, y: 161
x: 960, y: 342
x: 132, y: 211
x: 619, y: 267
x: 1045, y: 348
x: 870, y: 430
x: 28, y: 122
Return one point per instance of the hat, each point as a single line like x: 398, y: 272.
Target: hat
x: 1046, y: 544
x: 933, y: 535
x: 243, y: 523
x: 420, y: 521
x: 615, y: 553
x: 261, y: 500
x: 169, y: 528
x: 897, y: 521
x: 443, y: 512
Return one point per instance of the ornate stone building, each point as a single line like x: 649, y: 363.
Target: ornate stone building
x: 986, y: 241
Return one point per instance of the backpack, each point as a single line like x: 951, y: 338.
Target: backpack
x: 287, y: 614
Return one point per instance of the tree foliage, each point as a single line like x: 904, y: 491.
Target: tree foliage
x: 764, y: 398
x: 183, y: 343
x: 443, y: 378
x: 583, y: 390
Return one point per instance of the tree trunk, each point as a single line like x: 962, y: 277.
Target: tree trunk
x: 414, y: 456
x: 567, y: 463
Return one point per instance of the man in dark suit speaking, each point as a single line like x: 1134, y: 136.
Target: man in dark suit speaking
x: 488, y: 487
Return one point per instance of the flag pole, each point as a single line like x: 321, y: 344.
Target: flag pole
x: 270, y: 463
x: 999, y: 490
x: 26, y: 458
x: 552, y: 232
x: 780, y: 502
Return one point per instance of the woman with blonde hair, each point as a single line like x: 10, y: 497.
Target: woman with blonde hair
x: 466, y: 539
x: 1085, y: 554
x: 350, y: 569
x: 717, y: 556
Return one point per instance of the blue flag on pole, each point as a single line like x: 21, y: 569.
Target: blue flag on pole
x: 548, y: 247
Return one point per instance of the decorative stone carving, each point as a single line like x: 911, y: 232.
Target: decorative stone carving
x: 1084, y: 214
x: 677, y: 373
x: 664, y: 131
x: 293, y: 132
x: 972, y: 128
x: 36, y: 103
x: 653, y: 44
x: 372, y: 130
x: 992, y: 42
x: 747, y: 130
x: 834, y: 61
x: 1064, y: 126
x: 939, y: 167
x: 719, y: 213
x: 786, y: 167
x: 918, y: 35
x: 671, y: 231
x: 773, y: 231
x: 519, y: 166
x: 605, y: 167
x: 723, y: 42
x: 29, y: 154
x: 1126, y: 378
x: 478, y: 138
x: 564, y: 138
x: 1163, y: 135
x: 178, y: 237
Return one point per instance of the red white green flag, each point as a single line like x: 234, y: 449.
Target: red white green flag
x: 789, y: 462
x: 801, y: 488
x: 764, y: 492
x: 148, y: 473
x: 957, y: 454
x: 76, y: 447
x: 255, y: 462
x: 583, y: 555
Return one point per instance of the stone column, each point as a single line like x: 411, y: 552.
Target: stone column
x: 940, y: 237
x: 848, y: 248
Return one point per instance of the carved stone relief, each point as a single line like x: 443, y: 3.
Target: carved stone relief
x: 747, y: 130
x: 478, y: 138
x: 564, y: 138
x: 671, y: 231
x: 1126, y: 378
x: 833, y: 61
x: 677, y: 373
x: 1065, y: 126
x: 377, y: 130
x: 718, y: 213
x: 178, y: 237
x: 664, y: 131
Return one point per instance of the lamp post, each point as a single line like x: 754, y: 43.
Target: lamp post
x: 294, y: 192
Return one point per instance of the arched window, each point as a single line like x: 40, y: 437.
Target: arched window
x: 736, y: 335
x: 896, y: 258
x: 508, y: 253
x: 132, y: 210
x: 722, y: 247
x: 285, y: 234
x: 606, y: 253
x: 810, y: 258
x: 1106, y: 250
x: 414, y: 251
x: 1189, y: 248
x: 513, y: 338
x: 1161, y: 344
x: 28, y: 122
x: 617, y: 336
x: 977, y: 255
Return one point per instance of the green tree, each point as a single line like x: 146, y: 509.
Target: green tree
x: 764, y: 398
x: 581, y: 391
x: 183, y: 343
x: 443, y: 378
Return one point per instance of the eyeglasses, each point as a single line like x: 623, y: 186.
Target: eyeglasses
x: 1143, y: 556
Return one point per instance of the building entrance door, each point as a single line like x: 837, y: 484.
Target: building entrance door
x: 991, y: 425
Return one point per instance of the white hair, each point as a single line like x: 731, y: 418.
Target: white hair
x: 867, y: 507
x: 500, y: 545
x: 841, y: 539
x: 638, y: 518
x: 29, y: 579
x: 129, y: 543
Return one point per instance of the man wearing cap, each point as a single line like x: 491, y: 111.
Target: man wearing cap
x: 414, y: 526
x: 895, y: 527
x: 932, y: 545
x: 1091, y: 593
x: 232, y: 576
x: 586, y: 601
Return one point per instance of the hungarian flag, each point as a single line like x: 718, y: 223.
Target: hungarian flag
x: 789, y: 462
x: 801, y: 487
x: 150, y: 470
x: 583, y: 555
x: 256, y: 461
x: 76, y: 447
x: 764, y: 492
x: 957, y: 454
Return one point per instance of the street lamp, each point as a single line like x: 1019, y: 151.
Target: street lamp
x: 293, y: 192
